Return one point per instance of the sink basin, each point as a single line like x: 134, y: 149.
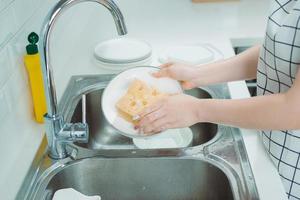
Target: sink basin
x: 104, y: 136
x: 138, y: 178
x: 111, y: 166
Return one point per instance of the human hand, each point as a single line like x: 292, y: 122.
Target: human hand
x: 175, y: 111
x: 187, y: 74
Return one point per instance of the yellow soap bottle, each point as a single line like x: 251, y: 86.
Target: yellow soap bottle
x: 33, y: 66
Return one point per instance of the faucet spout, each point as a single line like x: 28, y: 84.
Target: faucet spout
x: 58, y: 132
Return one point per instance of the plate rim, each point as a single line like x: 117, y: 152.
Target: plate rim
x: 123, y: 61
x: 187, y: 129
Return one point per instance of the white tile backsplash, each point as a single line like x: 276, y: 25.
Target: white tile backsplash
x: 4, y: 4
x: 3, y: 106
x: 15, y: 87
x: 23, y: 10
x: 7, y: 25
x: 5, y: 64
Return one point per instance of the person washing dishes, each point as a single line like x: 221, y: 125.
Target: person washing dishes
x: 276, y: 109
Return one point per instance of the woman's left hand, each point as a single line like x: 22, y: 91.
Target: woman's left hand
x: 175, y: 111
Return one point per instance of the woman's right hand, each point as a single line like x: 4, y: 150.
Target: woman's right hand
x: 186, y: 74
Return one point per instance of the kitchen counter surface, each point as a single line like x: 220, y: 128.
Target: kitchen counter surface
x: 169, y: 22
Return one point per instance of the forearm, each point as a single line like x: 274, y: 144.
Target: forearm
x: 272, y: 112
x: 240, y: 67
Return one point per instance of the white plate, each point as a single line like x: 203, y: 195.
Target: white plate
x: 193, y: 54
x: 117, y: 68
x: 122, y: 51
x: 173, y: 138
x: 118, y: 87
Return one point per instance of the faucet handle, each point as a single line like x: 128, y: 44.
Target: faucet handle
x: 80, y: 132
x: 77, y: 132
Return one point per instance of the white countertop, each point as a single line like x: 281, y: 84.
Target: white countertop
x: 171, y: 22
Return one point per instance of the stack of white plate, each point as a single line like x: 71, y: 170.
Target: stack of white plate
x: 122, y: 53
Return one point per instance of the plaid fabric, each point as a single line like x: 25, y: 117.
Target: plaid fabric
x: 278, y: 64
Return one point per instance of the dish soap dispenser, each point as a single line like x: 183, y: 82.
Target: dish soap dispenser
x: 33, y: 66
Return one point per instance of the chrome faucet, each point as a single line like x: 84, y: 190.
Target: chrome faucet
x: 58, y: 132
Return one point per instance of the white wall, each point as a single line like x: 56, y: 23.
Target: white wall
x: 19, y: 134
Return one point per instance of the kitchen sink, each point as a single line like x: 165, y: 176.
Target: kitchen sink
x: 214, y: 166
x: 137, y: 178
x: 104, y: 136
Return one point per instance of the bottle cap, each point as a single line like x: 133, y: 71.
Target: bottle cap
x: 32, y: 48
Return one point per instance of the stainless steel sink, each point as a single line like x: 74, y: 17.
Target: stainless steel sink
x: 215, y: 166
x: 137, y: 178
x: 104, y: 136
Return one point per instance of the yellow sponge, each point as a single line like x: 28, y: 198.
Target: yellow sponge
x: 138, y: 97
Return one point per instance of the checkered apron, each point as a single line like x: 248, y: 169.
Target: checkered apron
x: 277, y: 66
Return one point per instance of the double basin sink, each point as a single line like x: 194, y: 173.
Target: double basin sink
x: 214, y: 166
